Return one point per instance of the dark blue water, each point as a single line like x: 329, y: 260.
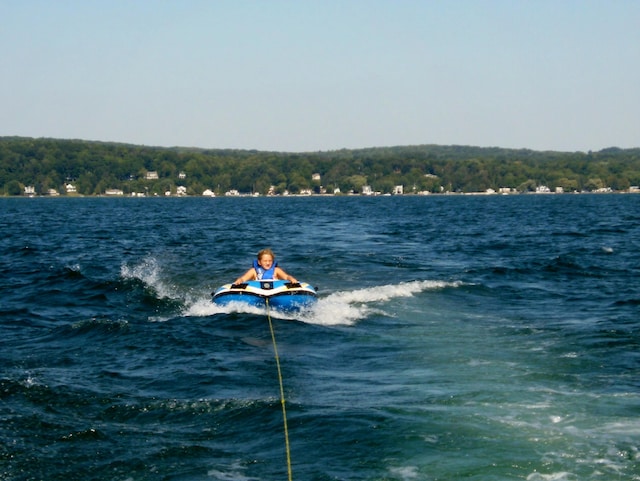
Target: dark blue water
x: 476, y: 338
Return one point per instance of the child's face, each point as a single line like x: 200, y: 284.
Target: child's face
x: 266, y: 261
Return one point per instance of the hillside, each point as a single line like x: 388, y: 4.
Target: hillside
x: 44, y: 166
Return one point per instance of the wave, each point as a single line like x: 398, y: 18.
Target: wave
x: 150, y: 274
x: 342, y: 308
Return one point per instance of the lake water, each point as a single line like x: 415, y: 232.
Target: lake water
x: 455, y: 337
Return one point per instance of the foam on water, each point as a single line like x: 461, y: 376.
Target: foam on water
x: 349, y: 307
x: 234, y: 473
x: 343, y: 308
x: 559, y: 476
x: 405, y: 473
x: 149, y: 272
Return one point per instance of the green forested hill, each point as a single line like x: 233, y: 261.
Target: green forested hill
x: 94, y: 167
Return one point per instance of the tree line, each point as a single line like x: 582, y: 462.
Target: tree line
x: 94, y: 167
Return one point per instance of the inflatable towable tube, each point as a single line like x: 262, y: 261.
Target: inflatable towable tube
x: 281, y: 295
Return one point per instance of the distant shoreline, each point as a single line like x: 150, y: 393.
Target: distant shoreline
x: 50, y: 167
x: 252, y: 196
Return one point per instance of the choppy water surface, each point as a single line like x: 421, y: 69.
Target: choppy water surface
x: 480, y: 338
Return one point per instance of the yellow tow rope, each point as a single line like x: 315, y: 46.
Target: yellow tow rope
x: 284, y: 409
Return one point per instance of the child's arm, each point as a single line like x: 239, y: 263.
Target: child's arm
x: 247, y: 276
x: 280, y: 274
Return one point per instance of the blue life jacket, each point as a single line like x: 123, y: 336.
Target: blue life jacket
x: 262, y: 273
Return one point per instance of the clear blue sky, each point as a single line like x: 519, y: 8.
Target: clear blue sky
x: 308, y: 75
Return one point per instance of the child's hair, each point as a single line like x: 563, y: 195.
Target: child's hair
x: 266, y: 251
